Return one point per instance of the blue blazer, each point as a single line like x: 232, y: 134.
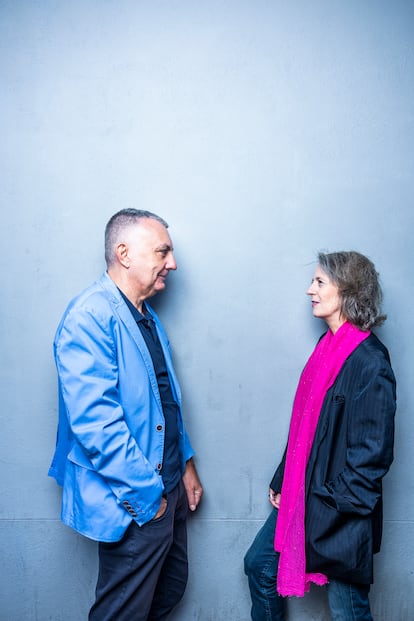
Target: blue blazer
x: 110, y: 439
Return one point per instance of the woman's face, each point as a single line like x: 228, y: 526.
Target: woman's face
x: 326, y: 300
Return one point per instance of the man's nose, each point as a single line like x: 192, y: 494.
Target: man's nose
x: 171, y: 263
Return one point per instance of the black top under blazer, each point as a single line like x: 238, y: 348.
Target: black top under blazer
x: 351, y: 452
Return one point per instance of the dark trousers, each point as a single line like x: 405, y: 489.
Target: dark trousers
x: 143, y: 576
x: 347, y: 602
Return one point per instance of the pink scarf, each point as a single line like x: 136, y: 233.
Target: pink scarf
x: 317, y: 377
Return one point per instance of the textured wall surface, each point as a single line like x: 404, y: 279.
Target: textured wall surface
x: 263, y: 131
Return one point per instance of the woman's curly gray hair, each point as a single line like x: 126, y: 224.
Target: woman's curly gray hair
x: 358, y: 284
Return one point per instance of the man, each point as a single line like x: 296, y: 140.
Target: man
x: 122, y: 455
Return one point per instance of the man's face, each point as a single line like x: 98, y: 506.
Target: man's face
x: 150, y: 257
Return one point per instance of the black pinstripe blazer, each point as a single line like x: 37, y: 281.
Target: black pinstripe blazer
x: 351, y: 452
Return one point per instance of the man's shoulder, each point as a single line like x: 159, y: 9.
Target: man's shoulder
x: 98, y: 301
x: 100, y: 293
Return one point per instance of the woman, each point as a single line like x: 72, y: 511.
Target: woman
x: 327, y: 494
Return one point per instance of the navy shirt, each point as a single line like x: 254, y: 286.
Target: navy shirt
x: 171, y: 467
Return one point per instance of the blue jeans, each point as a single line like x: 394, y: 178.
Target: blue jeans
x: 347, y: 602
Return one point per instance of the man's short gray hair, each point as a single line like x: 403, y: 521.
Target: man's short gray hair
x: 118, y: 223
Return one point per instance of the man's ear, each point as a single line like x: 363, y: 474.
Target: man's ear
x: 121, y: 253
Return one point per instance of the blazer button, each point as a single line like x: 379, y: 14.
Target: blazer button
x: 159, y: 427
x: 159, y: 466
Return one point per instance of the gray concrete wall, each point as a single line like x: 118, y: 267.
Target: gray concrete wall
x: 263, y: 132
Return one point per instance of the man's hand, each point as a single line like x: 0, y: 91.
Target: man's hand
x: 161, y: 510
x: 192, y: 485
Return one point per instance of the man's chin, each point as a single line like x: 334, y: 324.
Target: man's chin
x: 160, y: 285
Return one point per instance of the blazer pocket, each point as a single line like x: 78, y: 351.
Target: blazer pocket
x: 337, y: 544
x: 78, y: 457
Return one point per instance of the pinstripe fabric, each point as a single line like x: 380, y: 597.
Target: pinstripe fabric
x: 352, y: 451
x: 319, y: 374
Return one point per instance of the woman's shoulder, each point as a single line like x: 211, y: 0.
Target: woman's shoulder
x: 370, y: 358
x: 374, y: 347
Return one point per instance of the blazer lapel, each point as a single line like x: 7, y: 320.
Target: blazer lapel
x: 124, y: 314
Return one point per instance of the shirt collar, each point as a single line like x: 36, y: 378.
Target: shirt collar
x: 135, y: 312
